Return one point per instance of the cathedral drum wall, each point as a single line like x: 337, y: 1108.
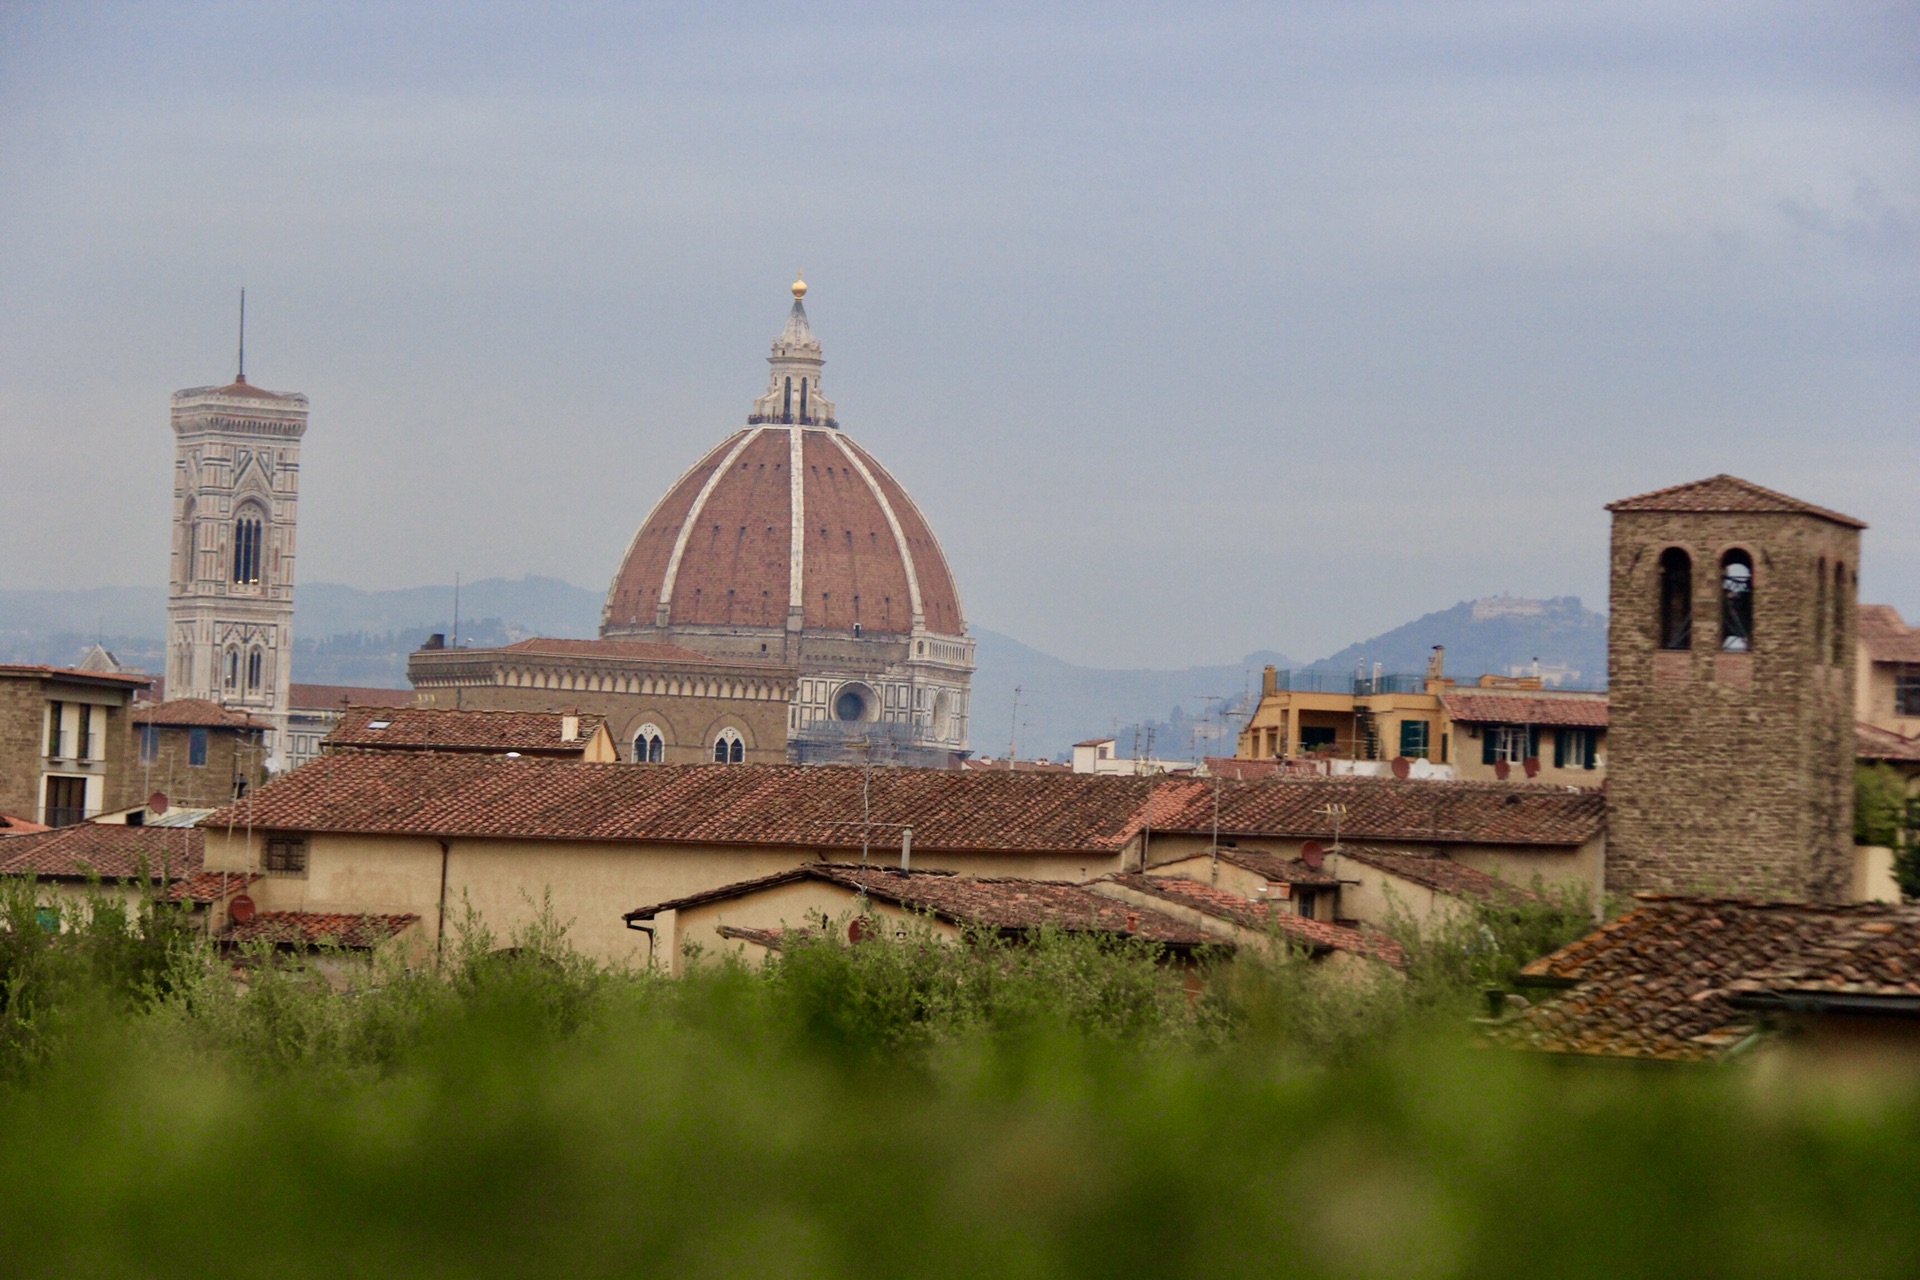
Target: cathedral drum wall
x: 1731, y: 769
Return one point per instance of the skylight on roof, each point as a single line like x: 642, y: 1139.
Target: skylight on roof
x: 378, y: 724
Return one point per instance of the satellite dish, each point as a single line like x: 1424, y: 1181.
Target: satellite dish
x: 157, y: 803
x: 1401, y: 766
x: 241, y: 909
x: 1314, y: 854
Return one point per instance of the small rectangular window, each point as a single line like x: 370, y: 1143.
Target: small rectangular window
x: 1906, y: 692
x: 1413, y: 739
x: 149, y: 743
x: 1574, y: 749
x: 55, y: 724
x: 196, y: 746
x: 1513, y: 743
x: 287, y: 855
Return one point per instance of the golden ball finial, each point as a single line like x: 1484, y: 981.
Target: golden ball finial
x: 799, y: 287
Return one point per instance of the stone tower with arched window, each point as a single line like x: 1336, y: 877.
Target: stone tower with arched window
x: 1730, y: 667
x: 236, y: 486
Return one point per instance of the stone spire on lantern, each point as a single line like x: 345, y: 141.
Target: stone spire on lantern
x: 793, y: 387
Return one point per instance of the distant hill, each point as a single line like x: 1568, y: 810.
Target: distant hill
x: 1500, y: 634
x: 1061, y: 703
x: 344, y: 635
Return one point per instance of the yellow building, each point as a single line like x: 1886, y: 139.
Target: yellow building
x: 1428, y: 727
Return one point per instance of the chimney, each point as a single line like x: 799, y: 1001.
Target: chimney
x: 438, y: 640
x: 1269, y: 682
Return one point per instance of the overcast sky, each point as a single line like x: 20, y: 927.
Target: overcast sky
x: 1192, y: 329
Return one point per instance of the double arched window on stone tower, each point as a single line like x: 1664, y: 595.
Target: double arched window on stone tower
x: 649, y: 744
x: 728, y: 747
x: 248, y: 530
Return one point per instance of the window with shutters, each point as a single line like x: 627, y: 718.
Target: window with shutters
x: 1413, y: 739
x: 1575, y: 749
x: 1513, y: 743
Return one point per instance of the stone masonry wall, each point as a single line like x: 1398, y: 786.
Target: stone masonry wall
x: 1732, y: 772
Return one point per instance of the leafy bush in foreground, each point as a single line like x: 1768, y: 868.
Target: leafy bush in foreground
x: 895, y: 1108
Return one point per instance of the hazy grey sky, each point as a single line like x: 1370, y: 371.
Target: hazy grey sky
x: 1193, y: 329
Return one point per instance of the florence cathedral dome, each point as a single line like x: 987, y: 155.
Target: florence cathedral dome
x: 790, y: 542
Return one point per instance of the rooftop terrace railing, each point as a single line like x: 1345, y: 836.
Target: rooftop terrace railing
x: 1358, y: 686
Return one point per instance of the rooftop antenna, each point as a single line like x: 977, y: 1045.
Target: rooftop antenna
x: 1013, y: 734
x: 241, y: 376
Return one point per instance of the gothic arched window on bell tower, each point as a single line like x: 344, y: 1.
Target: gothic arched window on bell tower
x: 1676, y: 599
x: 256, y: 669
x: 246, y: 546
x: 233, y: 668
x: 1736, y: 601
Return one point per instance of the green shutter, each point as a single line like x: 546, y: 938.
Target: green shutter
x: 1489, y: 735
x: 1560, y: 748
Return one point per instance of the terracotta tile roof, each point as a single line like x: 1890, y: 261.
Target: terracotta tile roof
x: 1443, y: 875
x: 318, y: 928
x: 1867, y: 952
x: 981, y: 764
x: 14, y: 825
x: 1665, y: 979
x: 433, y: 793
x: 1315, y: 935
x: 1410, y: 812
x: 334, y: 697
x: 1725, y: 493
x: 197, y: 712
x: 1871, y: 742
x: 1003, y: 903
x: 1243, y: 770
x: 107, y: 850
x: 1885, y: 635
x: 244, y: 390
x: 78, y: 675
x: 447, y: 794
x: 1481, y: 706
x: 772, y: 939
x: 417, y: 728
x: 211, y: 886
x: 1276, y: 867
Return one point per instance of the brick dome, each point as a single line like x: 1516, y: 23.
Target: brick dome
x: 787, y: 518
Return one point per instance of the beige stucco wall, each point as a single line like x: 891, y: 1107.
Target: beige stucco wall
x: 1470, y: 767
x: 593, y: 883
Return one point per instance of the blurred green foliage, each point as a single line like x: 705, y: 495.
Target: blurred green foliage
x: 1059, y: 1108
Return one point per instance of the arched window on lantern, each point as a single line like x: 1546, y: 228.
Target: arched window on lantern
x: 728, y: 747
x: 1676, y: 599
x: 1736, y: 601
x: 649, y: 744
x: 786, y: 403
x: 803, y: 399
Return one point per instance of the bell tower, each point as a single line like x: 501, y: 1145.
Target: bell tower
x: 1730, y: 664
x: 236, y: 488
